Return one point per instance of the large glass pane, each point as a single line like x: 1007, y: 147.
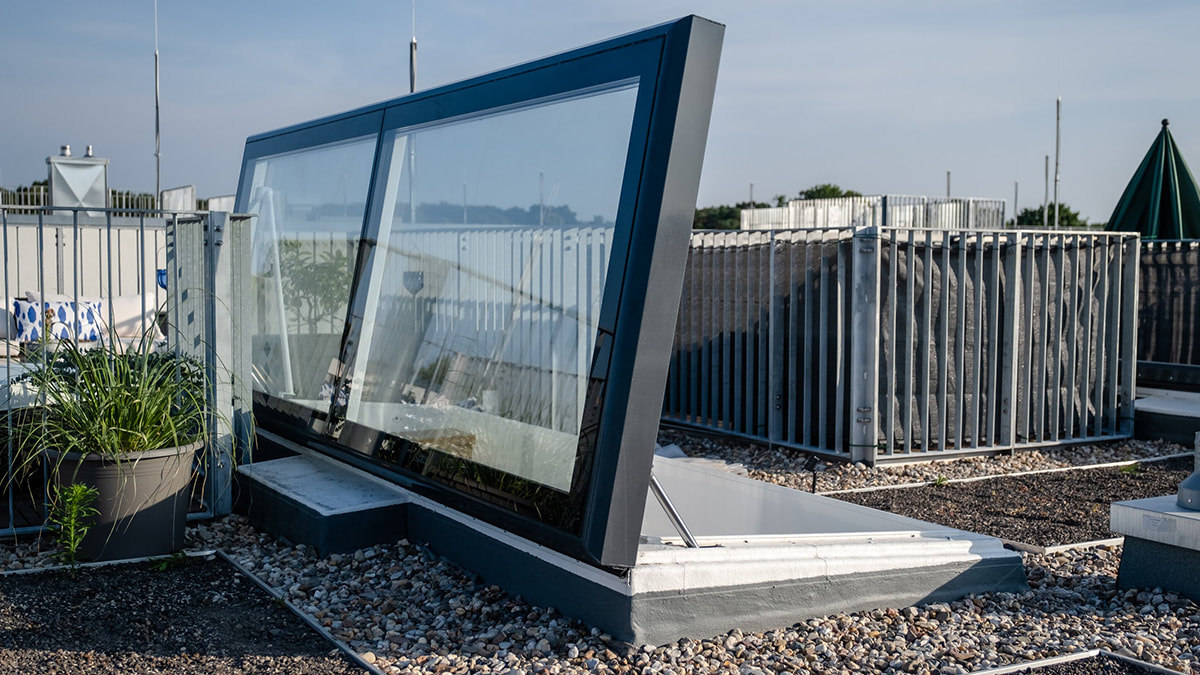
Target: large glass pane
x: 310, y: 207
x: 493, y: 246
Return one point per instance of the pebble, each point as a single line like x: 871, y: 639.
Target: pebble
x: 407, y: 611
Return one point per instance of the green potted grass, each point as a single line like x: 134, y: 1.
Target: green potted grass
x: 131, y: 423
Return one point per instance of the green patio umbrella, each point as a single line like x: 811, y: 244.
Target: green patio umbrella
x: 1161, y: 200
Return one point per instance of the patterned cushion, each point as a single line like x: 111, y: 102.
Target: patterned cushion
x: 31, y: 316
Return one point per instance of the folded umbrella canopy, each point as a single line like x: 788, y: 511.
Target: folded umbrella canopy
x: 1161, y: 200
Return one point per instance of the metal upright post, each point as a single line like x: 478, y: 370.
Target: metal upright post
x: 1011, y: 340
x: 217, y: 341
x: 1016, y: 208
x: 1057, y: 147
x: 864, y: 346
x: 234, y: 327
x: 1046, y: 198
x: 777, y: 314
x: 1127, y: 378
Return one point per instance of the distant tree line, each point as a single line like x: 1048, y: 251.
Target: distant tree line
x: 730, y: 217
x: 449, y: 213
x: 1067, y: 218
x: 723, y: 217
x: 34, y: 194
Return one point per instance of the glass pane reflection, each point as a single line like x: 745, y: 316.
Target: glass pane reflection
x: 310, y: 207
x: 494, y: 241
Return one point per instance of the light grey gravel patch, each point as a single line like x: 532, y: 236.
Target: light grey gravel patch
x: 1072, y: 605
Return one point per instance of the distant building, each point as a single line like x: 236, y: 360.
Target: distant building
x: 879, y: 210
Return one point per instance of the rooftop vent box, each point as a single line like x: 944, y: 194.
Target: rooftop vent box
x: 78, y: 181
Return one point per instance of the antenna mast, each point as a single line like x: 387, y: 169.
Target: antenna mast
x: 1046, y: 197
x: 412, y: 52
x: 1057, y: 145
x: 412, y: 150
x: 157, y: 137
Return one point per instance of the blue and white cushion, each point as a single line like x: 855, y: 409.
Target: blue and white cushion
x: 64, y: 325
x: 28, y: 316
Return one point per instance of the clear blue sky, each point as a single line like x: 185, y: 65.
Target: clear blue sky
x: 881, y: 97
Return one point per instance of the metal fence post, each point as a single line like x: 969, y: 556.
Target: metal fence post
x: 1130, y: 253
x: 864, y: 345
x: 775, y: 350
x: 216, y: 348
x: 228, y: 326
x: 1011, y: 340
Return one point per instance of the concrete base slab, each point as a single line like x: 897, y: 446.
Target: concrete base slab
x: 1162, y: 545
x: 769, y: 556
x: 1149, y: 564
x: 1168, y: 415
x: 322, y: 503
x: 1157, y: 519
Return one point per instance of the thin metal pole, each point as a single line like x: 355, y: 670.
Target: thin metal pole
x: 673, y: 515
x: 412, y: 138
x: 947, y: 185
x: 1016, y: 209
x: 1057, y: 146
x: 157, y: 136
x: 412, y: 53
x: 1046, y: 199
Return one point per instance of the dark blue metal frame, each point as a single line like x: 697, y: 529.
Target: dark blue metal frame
x: 675, y: 65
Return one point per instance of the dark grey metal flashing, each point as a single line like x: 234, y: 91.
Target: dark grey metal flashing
x: 661, y: 617
x: 654, y: 279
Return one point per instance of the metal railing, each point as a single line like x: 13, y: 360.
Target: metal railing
x: 880, y: 211
x: 170, y: 266
x: 881, y: 344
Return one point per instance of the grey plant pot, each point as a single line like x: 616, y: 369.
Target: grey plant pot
x: 143, y: 500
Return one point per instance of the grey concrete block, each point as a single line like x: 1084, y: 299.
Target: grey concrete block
x: 1150, y: 564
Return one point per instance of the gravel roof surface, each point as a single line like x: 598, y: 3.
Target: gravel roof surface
x: 406, y: 610
x: 1042, y: 509
x: 786, y: 467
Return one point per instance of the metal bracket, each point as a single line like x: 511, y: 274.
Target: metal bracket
x: 673, y: 515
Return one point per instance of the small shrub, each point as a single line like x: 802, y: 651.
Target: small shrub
x: 176, y: 560
x: 71, y: 516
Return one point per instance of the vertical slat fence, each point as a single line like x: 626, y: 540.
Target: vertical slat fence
x: 884, y: 344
